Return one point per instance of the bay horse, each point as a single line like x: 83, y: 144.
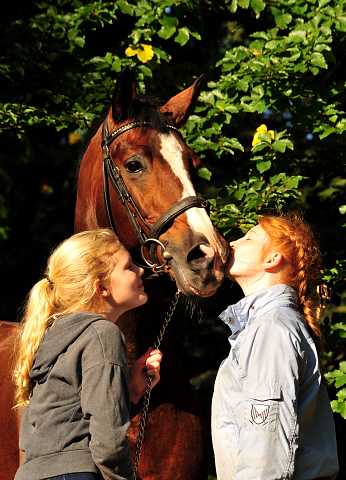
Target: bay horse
x: 146, y: 160
x: 156, y: 169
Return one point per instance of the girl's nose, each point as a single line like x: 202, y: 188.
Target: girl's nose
x: 137, y: 269
x: 234, y: 242
x: 140, y: 271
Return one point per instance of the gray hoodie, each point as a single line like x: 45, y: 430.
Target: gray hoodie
x: 78, y: 413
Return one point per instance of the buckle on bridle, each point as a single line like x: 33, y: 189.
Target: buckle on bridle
x: 166, y: 255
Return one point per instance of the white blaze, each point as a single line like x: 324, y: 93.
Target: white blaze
x: 198, y: 218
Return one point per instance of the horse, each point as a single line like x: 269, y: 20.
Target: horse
x: 155, y: 169
x: 139, y: 180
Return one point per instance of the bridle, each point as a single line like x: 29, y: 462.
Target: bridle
x: 112, y: 173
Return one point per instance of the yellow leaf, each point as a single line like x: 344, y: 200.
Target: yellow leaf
x: 219, y: 106
x: 262, y: 128
x: 130, y: 52
x: 256, y: 52
x: 255, y: 139
x: 145, y: 54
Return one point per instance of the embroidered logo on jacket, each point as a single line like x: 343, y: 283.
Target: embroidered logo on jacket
x: 259, y: 413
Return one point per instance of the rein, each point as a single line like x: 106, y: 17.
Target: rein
x: 147, y: 394
x: 112, y: 173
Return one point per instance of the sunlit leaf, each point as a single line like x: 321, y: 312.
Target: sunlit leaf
x: 263, y: 166
x: 125, y: 7
x: 183, y: 36
x: 203, y: 172
x: 257, y: 5
x: 318, y: 60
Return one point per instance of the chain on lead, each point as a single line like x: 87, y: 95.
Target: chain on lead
x: 146, y: 399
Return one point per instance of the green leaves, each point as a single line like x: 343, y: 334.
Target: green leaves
x: 338, y: 378
x: 257, y: 5
x: 281, y: 145
x: 318, y: 60
x: 254, y: 196
x: 263, y: 166
x: 242, y: 85
x: 282, y: 19
x: 203, y: 172
x: 183, y: 36
x: 125, y: 7
x: 59, y: 65
x: 336, y: 273
x: 169, y: 26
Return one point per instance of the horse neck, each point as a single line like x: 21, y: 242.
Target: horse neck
x: 142, y: 325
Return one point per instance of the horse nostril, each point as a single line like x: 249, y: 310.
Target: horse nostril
x: 199, y: 255
x: 208, y: 251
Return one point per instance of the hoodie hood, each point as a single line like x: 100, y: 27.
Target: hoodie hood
x: 57, y: 339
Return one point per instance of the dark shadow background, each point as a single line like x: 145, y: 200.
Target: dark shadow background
x: 38, y: 188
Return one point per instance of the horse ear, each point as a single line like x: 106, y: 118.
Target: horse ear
x: 181, y: 106
x: 123, y: 96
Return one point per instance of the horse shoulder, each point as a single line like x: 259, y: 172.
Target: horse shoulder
x: 9, y: 417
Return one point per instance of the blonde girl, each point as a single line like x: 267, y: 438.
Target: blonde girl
x: 71, y: 373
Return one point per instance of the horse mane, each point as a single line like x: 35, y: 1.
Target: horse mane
x: 144, y: 108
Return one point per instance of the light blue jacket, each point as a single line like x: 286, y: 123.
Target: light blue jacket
x: 271, y: 417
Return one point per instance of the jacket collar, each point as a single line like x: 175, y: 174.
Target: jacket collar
x: 239, y: 316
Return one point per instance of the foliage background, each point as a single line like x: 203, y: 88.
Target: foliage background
x: 277, y: 63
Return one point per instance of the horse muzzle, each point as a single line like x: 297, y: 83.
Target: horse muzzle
x: 200, y: 271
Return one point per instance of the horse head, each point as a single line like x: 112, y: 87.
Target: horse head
x: 155, y: 169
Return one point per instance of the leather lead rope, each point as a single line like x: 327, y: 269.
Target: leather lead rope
x: 146, y: 399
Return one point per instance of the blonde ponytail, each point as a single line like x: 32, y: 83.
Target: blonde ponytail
x: 67, y: 287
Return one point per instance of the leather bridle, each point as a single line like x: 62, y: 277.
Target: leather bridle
x: 112, y: 173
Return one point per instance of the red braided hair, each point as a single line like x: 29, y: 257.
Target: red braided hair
x: 294, y: 239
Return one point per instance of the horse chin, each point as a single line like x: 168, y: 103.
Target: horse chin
x: 190, y: 290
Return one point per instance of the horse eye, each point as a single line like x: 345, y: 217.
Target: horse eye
x: 134, y: 166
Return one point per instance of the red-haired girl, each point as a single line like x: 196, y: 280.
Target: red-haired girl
x: 271, y: 417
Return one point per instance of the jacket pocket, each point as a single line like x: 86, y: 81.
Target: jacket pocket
x: 261, y: 407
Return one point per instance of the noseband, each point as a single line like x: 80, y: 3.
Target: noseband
x: 112, y: 172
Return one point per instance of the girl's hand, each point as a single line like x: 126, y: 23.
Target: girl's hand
x: 147, y: 365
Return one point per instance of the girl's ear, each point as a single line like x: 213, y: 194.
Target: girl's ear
x: 273, y: 260
x: 100, y: 289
